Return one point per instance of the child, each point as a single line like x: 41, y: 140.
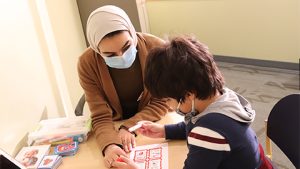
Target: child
x: 217, y: 120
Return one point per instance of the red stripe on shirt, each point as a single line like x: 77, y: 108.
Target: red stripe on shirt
x: 207, y: 138
x: 265, y: 162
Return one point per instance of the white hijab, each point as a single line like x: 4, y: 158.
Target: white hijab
x: 105, y: 20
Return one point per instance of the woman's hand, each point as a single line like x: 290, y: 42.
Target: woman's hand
x: 152, y: 130
x: 111, y: 153
x: 124, y: 163
x: 128, y: 140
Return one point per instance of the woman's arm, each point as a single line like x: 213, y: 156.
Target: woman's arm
x: 101, y: 112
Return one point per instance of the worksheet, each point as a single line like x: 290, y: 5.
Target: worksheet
x: 153, y: 156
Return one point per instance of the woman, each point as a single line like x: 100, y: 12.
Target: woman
x: 111, y: 75
x: 217, y: 120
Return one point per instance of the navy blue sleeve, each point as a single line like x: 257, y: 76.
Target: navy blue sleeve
x: 217, y: 141
x: 175, y: 131
x: 201, y: 158
x: 207, y: 146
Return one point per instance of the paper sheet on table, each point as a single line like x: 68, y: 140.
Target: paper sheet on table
x: 152, y: 156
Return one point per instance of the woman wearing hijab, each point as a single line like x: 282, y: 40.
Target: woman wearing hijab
x: 111, y: 75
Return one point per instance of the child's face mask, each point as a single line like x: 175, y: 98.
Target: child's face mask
x: 178, y: 111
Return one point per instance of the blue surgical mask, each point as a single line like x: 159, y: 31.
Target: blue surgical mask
x: 124, y: 61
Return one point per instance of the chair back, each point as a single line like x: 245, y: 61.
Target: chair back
x: 80, y: 105
x: 283, y: 126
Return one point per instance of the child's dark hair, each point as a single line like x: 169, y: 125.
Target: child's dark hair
x: 182, y: 65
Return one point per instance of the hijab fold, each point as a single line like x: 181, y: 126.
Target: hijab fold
x: 105, y: 20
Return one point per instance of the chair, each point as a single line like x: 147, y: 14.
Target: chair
x: 283, y: 128
x: 80, y: 106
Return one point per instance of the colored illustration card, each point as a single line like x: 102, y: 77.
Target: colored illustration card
x: 50, y: 162
x: 66, y: 149
x: 31, y: 156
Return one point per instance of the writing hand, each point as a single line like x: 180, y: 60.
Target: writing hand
x: 152, y: 130
x: 112, y: 152
x: 124, y: 163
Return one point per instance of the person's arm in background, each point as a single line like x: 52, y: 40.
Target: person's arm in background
x: 101, y: 113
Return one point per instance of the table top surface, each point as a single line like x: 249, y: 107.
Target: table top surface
x: 89, y: 155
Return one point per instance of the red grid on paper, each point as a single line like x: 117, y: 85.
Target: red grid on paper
x: 149, y: 155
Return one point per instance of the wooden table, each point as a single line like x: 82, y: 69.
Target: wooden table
x: 89, y: 156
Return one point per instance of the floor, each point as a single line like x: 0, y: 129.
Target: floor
x: 263, y: 87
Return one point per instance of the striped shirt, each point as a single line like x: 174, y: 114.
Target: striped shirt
x: 217, y: 141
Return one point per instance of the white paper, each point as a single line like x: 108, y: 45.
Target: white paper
x: 153, y: 156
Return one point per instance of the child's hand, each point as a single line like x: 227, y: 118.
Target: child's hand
x: 151, y: 129
x: 124, y: 163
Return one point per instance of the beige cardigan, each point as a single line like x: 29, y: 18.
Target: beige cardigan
x: 102, y: 97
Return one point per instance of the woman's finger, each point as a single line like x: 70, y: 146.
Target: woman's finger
x: 108, y: 163
x: 124, y: 143
x: 115, y: 157
x: 133, y: 143
x: 124, y: 159
x: 129, y: 144
x: 117, y: 164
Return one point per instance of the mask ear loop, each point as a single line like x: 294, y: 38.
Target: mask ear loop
x: 193, y: 105
x: 177, y: 108
x: 179, y: 103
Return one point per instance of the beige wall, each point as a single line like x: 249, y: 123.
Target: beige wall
x: 70, y: 42
x: 258, y: 29
x: 39, y: 51
x: 25, y: 85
